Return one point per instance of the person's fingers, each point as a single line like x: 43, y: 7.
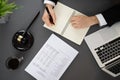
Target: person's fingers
x: 77, y: 21
x: 74, y: 24
x: 45, y: 18
x: 52, y: 13
x: 48, y: 22
x: 77, y: 24
x: 82, y: 21
x: 73, y: 18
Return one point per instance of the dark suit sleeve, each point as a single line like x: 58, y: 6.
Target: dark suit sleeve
x: 55, y: 1
x: 112, y: 15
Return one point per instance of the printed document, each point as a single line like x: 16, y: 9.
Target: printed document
x: 52, y: 59
x: 63, y: 26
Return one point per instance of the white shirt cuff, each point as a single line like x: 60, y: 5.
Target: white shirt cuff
x: 49, y: 2
x: 101, y: 20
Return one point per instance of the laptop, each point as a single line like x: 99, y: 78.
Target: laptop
x: 104, y: 45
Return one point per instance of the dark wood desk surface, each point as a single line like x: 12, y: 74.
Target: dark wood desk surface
x: 84, y: 67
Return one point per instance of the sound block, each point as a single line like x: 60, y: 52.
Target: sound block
x: 22, y: 41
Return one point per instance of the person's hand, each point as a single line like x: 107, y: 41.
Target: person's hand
x: 46, y: 17
x: 82, y: 21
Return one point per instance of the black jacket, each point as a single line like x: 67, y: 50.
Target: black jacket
x: 55, y: 1
x: 112, y: 15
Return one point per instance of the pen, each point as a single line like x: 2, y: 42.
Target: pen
x: 50, y: 17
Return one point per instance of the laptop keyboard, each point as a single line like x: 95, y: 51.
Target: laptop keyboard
x: 109, y: 50
x: 115, y: 69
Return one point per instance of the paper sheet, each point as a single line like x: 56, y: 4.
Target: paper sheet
x: 52, y: 60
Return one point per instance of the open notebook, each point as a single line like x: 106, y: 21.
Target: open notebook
x: 63, y: 25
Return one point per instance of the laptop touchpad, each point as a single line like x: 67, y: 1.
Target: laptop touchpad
x: 108, y: 33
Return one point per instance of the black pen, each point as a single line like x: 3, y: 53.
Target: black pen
x: 50, y: 17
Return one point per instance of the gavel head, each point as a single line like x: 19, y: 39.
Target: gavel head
x: 22, y: 41
x: 20, y: 37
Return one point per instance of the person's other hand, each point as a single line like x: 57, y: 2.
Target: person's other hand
x: 45, y: 16
x: 82, y: 21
